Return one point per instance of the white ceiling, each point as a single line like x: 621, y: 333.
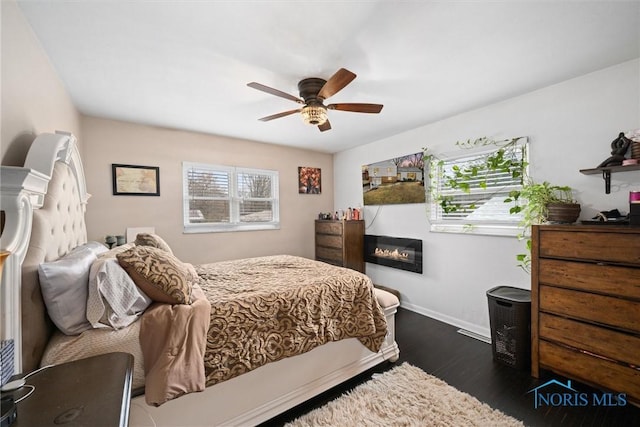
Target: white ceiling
x: 185, y: 64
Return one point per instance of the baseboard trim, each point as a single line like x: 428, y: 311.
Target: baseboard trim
x: 474, y: 335
x: 479, y: 331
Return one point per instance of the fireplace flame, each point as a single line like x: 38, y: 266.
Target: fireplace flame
x: 388, y: 253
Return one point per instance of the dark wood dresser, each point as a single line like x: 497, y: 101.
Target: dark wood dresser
x: 585, y: 304
x: 341, y: 243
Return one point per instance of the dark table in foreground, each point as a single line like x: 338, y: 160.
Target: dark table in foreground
x: 89, y: 392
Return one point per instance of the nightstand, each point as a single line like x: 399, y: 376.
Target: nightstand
x: 88, y: 392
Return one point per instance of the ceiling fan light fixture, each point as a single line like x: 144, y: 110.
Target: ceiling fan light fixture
x: 313, y: 92
x: 314, y: 114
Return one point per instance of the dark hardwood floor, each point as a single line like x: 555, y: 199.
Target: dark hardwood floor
x: 468, y: 365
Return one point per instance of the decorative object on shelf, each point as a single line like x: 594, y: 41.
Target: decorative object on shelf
x: 133, y: 180
x: 309, y: 180
x: 634, y: 136
x: 631, y: 139
x: 619, y: 148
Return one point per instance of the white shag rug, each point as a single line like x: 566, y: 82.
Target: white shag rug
x: 405, y: 396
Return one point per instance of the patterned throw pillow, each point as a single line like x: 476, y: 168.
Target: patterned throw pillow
x: 153, y: 240
x: 159, y: 274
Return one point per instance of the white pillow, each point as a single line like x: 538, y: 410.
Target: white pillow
x: 64, y: 284
x: 114, y: 299
x: 96, y: 247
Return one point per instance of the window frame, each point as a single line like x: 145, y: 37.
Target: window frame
x: 493, y: 227
x: 235, y: 223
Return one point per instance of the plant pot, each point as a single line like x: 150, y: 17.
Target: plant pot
x: 563, y: 213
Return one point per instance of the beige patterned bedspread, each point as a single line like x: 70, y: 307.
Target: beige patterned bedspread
x: 264, y: 309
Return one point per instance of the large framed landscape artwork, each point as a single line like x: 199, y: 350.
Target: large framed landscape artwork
x: 395, y: 181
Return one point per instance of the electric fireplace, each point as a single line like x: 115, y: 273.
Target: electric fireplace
x: 395, y: 252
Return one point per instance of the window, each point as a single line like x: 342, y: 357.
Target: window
x: 223, y: 198
x: 470, y: 193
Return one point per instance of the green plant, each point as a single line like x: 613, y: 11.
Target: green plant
x: 537, y: 197
x: 532, y: 202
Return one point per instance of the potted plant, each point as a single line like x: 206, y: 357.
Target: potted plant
x: 542, y: 203
x: 545, y: 203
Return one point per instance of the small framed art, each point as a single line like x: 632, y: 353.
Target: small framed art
x: 133, y: 180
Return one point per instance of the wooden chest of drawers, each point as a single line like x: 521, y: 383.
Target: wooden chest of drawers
x: 585, y: 305
x: 341, y: 243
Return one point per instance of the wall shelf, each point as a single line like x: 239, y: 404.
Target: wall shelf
x: 607, y: 171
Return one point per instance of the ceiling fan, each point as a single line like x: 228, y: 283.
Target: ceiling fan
x: 313, y: 92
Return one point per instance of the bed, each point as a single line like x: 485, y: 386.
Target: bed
x: 43, y: 205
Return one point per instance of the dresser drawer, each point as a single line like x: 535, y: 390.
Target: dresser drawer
x: 616, y: 312
x: 604, y: 279
x: 329, y: 240
x: 590, y: 369
x: 333, y: 227
x: 594, y: 339
x: 329, y: 254
x: 602, y: 246
x: 340, y: 243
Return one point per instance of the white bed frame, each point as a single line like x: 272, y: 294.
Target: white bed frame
x: 249, y: 399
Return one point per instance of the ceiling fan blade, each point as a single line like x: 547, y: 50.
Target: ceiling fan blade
x: 277, y: 116
x: 336, y: 83
x: 356, y: 108
x: 275, y: 92
x: 325, y: 126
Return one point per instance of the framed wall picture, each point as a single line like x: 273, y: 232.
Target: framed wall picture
x: 133, y: 180
x: 396, y: 181
x: 309, y: 180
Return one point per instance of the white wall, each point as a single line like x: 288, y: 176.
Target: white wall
x: 570, y: 127
x: 112, y: 141
x: 34, y: 100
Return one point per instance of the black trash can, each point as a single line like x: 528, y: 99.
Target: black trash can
x: 510, y: 320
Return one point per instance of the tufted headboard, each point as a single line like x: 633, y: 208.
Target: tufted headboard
x: 44, y: 205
